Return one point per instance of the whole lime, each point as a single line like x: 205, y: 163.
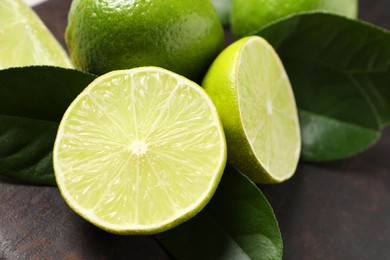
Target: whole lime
x: 182, y: 36
x: 248, y: 16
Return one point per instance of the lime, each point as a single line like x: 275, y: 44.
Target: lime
x: 25, y: 40
x: 139, y: 151
x: 248, y: 16
x: 253, y: 96
x: 182, y: 36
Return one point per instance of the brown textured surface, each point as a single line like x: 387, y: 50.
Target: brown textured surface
x: 335, y: 210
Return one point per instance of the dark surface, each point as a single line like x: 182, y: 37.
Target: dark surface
x: 336, y: 210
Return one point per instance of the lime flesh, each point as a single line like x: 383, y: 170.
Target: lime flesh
x: 267, y: 109
x: 25, y: 40
x: 253, y: 95
x: 139, y: 151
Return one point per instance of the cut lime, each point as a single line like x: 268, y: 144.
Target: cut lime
x: 253, y: 95
x: 25, y: 40
x: 139, y: 151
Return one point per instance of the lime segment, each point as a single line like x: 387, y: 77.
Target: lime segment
x: 25, y: 40
x: 139, y: 151
x: 253, y: 95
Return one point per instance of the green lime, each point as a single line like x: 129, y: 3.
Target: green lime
x: 139, y: 151
x: 25, y: 40
x: 181, y: 36
x: 250, y: 88
x: 248, y: 16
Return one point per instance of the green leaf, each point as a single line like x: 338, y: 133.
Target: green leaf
x: 340, y: 72
x: 32, y: 102
x: 223, y: 9
x: 238, y: 223
x: 337, y: 120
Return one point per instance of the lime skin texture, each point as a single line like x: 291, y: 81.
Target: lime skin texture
x: 248, y: 16
x: 181, y: 36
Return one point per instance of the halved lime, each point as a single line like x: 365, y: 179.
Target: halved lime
x: 139, y: 151
x: 25, y: 40
x: 253, y: 95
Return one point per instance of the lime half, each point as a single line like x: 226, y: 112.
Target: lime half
x: 139, y: 151
x: 253, y: 95
x: 25, y: 40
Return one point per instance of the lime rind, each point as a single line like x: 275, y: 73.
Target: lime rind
x: 134, y: 155
x: 181, y: 36
x: 250, y: 16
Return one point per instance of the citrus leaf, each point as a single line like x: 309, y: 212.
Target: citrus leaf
x: 340, y: 72
x: 238, y: 223
x: 25, y: 152
x: 223, y: 10
x: 32, y: 102
x: 337, y: 119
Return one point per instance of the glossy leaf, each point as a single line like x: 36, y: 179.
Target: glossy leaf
x: 337, y: 119
x: 32, y: 102
x: 238, y: 223
x: 340, y: 73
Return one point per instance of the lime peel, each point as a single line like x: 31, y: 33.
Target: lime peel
x: 249, y: 16
x: 181, y: 36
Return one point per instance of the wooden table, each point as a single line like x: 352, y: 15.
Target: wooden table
x: 337, y: 210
